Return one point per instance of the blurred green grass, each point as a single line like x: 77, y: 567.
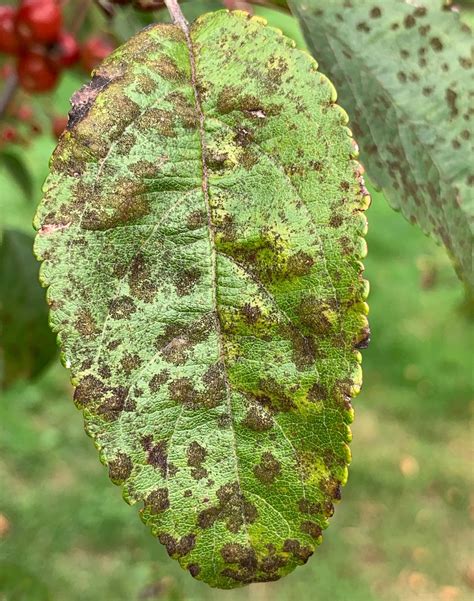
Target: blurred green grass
x: 401, y: 533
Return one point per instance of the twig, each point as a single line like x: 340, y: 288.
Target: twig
x: 176, y: 14
x: 11, y: 86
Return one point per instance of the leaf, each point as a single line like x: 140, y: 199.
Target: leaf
x: 405, y: 75
x: 26, y: 342
x: 200, y: 235
x: 19, y: 171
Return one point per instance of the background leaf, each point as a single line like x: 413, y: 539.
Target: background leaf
x: 18, y: 170
x: 26, y: 342
x: 201, y: 239
x: 404, y: 72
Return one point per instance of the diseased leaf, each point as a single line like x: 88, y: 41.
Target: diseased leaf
x: 200, y: 233
x: 404, y: 72
x: 26, y: 342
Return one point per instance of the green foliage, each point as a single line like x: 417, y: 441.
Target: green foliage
x: 201, y: 236
x: 405, y: 73
x: 18, y: 170
x: 27, y: 344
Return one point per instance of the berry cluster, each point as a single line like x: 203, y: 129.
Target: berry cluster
x: 34, y: 34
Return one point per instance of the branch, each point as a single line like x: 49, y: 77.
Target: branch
x: 11, y: 86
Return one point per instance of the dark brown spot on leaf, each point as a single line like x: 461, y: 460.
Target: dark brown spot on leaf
x: 232, y: 508
x: 120, y: 468
x: 157, y: 454
x: 268, y: 469
x: 157, y: 501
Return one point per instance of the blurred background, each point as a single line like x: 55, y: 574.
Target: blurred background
x: 404, y: 528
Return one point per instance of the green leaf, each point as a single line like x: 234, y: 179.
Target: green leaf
x: 405, y: 75
x: 26, y: 342
x: 200, y: 233
x: 19, y: 171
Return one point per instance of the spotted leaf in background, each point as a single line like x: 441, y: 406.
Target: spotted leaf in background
x: 201, y: 236
x: 404, y: 72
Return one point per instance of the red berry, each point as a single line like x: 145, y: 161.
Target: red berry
x: 38, y: 21
x: 59, y: 125
x: 24, y: 112
x: 36, y: 73
x: 8, y: 134
x: 94, y: 51
x: 8, y: 39
x: 66, y: 51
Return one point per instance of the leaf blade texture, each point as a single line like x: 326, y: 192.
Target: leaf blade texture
x: 201, y: 235
x: 404, y: 72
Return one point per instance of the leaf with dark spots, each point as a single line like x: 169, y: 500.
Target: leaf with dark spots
x: 404, y: 72
x: 201, y: 237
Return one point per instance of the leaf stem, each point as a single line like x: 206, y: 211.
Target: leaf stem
x: 176, y: 14
x: 9, y: 91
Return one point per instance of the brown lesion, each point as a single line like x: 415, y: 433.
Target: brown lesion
x: 246, y: 565
x: 182, y: 391
x: 130, y: 362
x: 265, y: 255
x: 122, y: 307
x: 362, y: 339
x: 196, y: 220
x: 120, y: 468
x: 304, y: 347
x: 84, y: 98
x: 232, y: 508
x: 258, y: 418
x: 274, y: 396
x: 167, y: 68
x: 157, y: 501
x: 250, y: 313
x: 124, y: 203
x: 178, y: 547
x: 196, y: 455
x: 159, y: 120
x: 269, y: 468
x: 300, y: 552
x: 106, y: 401
x: 156, y: 453
x: 184, y: 109
x: 316, y: 315
x: 158, y: 380
x: 232, y: 98
x: 178, y: 339
x: 215, y: 383
x: 312, y: 529
x: 117, y: 401
x: 186, y: 280
x: 86, y: 324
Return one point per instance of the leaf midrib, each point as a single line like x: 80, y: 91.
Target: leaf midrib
x: 183, y: 25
